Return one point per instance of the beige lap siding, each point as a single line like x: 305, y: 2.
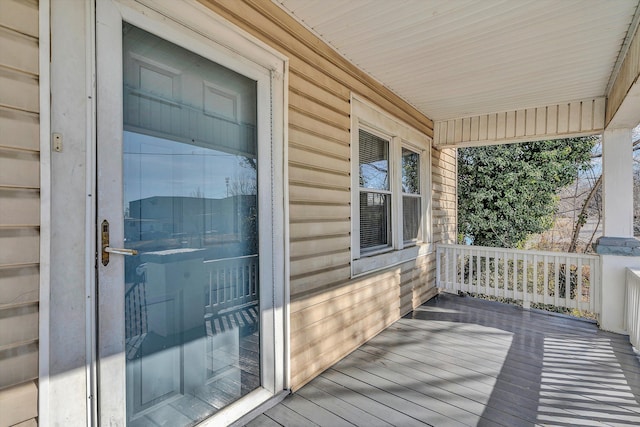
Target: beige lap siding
x: 19, y: 211
x: 332, y: 314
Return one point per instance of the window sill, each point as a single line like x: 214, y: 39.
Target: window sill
x: 380, y: 261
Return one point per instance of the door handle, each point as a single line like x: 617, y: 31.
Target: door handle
x: 106, y: 249
x: 129, y: 252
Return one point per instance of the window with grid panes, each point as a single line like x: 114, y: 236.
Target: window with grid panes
x: 390, y: 179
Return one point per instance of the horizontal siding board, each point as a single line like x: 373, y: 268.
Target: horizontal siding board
x: 313, y: 109
x: 19, y: 169
x: 336, y: 290
x: 18, y: 285
x: 318, y: 280
x: 18, y: 365
x: 19, y: 207
x: 313, y: 360
x: 317, y: 127
x: 19, y: 130
x: 19, y: 91
x: 307, y: 230
x: 18, y: 52
x: 19, y: 246
x: 318, y: 143
x: 19, y: 324
x: 302, y: 194
x: 317, y: 178
x: 350, y: 303
x: 310, y: 159
x: 18, y: 403
x: 318, y: 77
x: 20, y: 15
x: 318, y: 262
x: 314, y: 212
x: 327, y: 98
x: 314, y: 246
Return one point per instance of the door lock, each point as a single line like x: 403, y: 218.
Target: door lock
x: 106, y: 249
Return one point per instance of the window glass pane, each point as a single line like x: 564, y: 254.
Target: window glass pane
x: 374, y: 161
x: 375, y: 216
x: 410, y: 172
x: 410, y: 218
x: 192, y: 311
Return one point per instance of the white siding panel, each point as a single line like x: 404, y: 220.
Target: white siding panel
x: 19, y: 52
x: 19, y: 364
x: 19, y: 246
x: 20, y: 15
x: 19, y: 208
x: 19, y: 169
x: 19, y: 130
x: 19, y: 211
x: 19, y: 91
x: 18, y: 403
x: 547, y: 122
x: 18, y: 324
x: 18, y: 285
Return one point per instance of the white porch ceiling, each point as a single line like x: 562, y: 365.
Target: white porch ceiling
x: 459, y: 58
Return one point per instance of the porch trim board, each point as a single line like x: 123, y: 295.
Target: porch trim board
x: 532, y: 277
x: 562, y: 120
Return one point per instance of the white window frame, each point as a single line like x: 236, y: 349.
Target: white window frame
x: 400, y: 135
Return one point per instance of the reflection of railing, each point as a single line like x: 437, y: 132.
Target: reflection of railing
x: 563, y: 280
x: 632, y: 317
x: 232, y: 282
x: 135, y: 307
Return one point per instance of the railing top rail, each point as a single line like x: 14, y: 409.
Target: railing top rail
x: 634, y: 270
x: 209, y: 261
x: 518, y: 251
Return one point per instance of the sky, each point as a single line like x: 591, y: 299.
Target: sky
x: 160, y: 167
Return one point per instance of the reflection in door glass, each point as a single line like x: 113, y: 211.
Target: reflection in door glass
x: 190, y: 190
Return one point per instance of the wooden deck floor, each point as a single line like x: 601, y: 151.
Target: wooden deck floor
x: 461, y: 361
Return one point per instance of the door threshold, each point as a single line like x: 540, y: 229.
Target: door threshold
x: 265, y: 406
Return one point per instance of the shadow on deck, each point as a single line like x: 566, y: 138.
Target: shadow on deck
x: 462, y: 361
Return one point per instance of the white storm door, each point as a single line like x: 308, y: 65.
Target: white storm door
x: 187, y: 328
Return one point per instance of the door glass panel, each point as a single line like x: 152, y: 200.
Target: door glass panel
x: 190, y: 210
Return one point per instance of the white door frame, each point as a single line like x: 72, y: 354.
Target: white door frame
x: 196, y: 28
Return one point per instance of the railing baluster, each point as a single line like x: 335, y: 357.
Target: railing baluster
x: 515, y: 275
x: 579, y: 279
x: 470, y: 286
x: 479, y: 273
x: 486, y: 272
x: 556, y: 280
x: 496, y: 267
x: 535, y: 279
x: 567, y: 281
x: 526, y: 299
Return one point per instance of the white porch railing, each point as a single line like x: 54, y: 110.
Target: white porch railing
x: 557, y: 279
x: 232, y: 282
x: 632, y: 312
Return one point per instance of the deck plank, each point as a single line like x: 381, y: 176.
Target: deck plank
x: 349, y: 412
x: 464, y: 361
